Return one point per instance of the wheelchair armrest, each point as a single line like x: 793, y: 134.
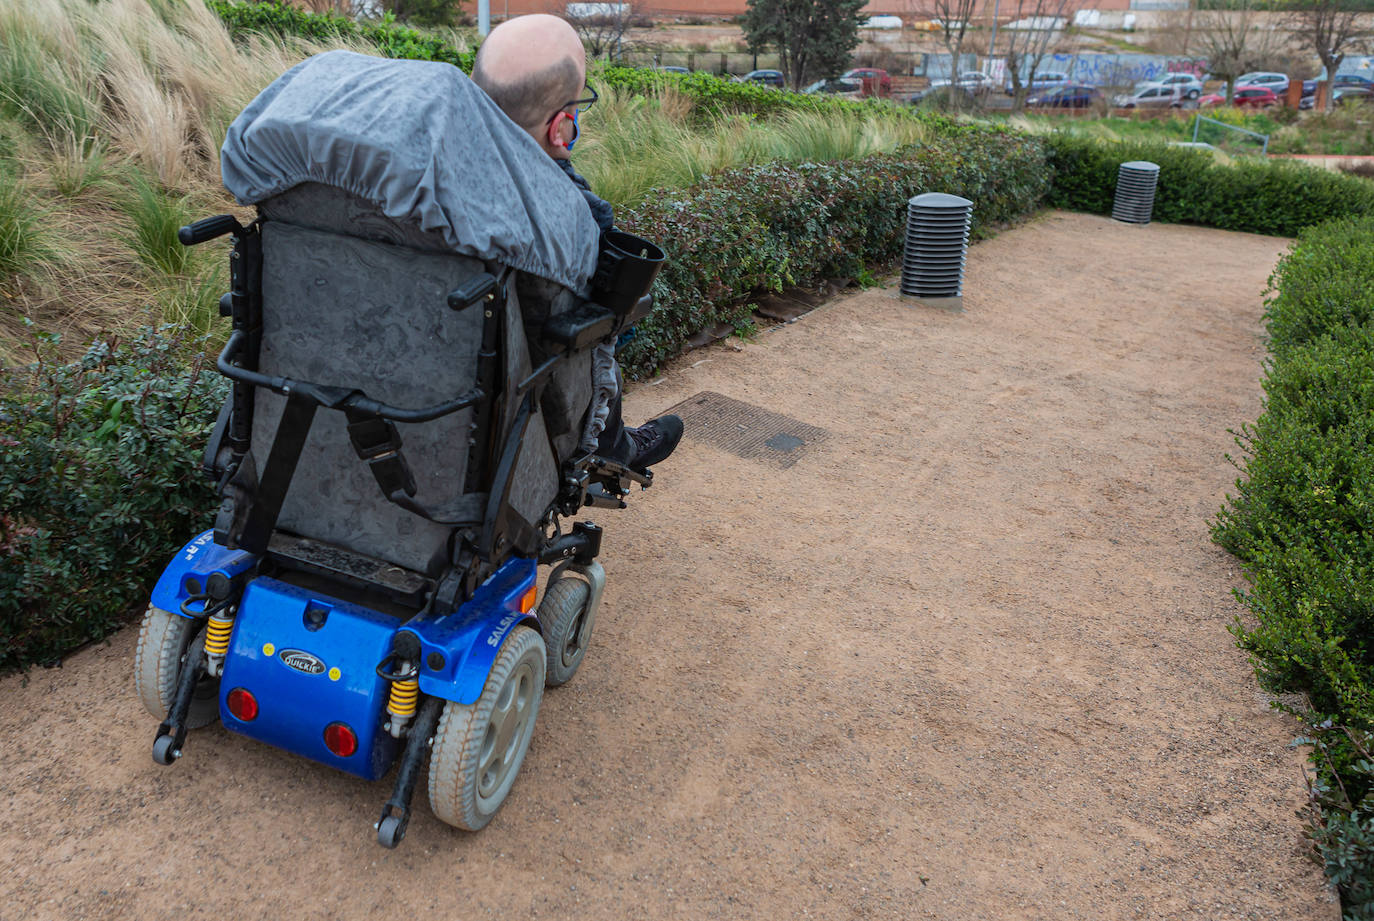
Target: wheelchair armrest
x: 578, y: 328
x: 639, y: 311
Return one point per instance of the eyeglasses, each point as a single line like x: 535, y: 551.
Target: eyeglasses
x: 581, y: 104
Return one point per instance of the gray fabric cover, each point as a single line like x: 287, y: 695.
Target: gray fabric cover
x: 426, y: 145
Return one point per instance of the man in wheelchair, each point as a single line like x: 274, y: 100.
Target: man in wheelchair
x: 415, y: 311
x: 535, y: 68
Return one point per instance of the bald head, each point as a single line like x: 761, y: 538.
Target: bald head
x: 531, y: 66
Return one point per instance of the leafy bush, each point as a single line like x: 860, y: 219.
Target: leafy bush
x: 1302, y: 522
x: 275, y: 17
x: 1258, y: 196
x: 1309, y: 299
x: 98, y: 461
x: 756, y: 229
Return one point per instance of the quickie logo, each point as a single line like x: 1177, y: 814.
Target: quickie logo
x: 301, y: 661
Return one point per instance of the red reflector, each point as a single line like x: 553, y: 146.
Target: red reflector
x: 339, y: 739
x: 242, y: 704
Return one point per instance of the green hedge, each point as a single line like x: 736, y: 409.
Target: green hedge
x: 99, y: 467
x: 745, y: 231
x: 1302, y: 522
x: 285, y: 21
x: 1257, y: 196
x: 712, y: 95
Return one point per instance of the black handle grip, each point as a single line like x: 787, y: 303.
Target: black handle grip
x: 207, y: 228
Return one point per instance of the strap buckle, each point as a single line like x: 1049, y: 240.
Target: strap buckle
x: 376, y: 441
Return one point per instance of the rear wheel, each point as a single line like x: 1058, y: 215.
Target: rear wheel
x: 165, y: 644
x: 478, y: 749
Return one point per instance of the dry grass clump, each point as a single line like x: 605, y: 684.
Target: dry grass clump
x: 111, y: 119
x: 634, y: 144
x: 112, y: 114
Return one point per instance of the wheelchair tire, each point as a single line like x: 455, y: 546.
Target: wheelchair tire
x: 478, y: 748
x: 567, y: 628
x: 164, y: 642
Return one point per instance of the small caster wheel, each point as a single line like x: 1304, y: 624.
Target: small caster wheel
x: 567, y: 628
x: 390, y: 831
x: 163, y: 753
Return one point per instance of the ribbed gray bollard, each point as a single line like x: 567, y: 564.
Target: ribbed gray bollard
x: 1135, y: 192
x: 936, y: 245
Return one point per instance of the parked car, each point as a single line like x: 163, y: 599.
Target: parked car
x: 1257, y: 97
x: 1073, y: 96
x: 1346, y: 95
x: 839, y: 87
x: 1150, y: 96
x: 1044, y: 80
x: 1309, y: 87
x: 975, y: 81
x: 766, y: 77
x: 876, y: 78
x: 1188, y: 85
x: 1278, y: 83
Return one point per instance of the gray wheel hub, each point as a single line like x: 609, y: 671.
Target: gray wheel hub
x: 507, y: 733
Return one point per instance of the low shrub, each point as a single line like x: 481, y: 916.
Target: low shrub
x: 745, y: 231
x: 98, y: 467
x: 1257, y: 196
x: 275, y: 17
x: 1302, y: 522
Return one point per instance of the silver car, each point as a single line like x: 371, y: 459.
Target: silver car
x: 1267, y: 79
x: 1187, y: 84
x: 1151, y: 96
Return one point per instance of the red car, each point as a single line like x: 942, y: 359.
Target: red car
x: 876, y: 82
x: 1257, y: 97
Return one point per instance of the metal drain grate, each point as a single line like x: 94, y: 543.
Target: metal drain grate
x: 745, y: 430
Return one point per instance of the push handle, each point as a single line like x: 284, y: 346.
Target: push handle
x: 207, y: 228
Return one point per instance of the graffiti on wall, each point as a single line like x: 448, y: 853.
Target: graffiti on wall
x: 1121, y: 69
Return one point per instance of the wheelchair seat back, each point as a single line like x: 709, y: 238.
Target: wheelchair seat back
x: 355, y: 299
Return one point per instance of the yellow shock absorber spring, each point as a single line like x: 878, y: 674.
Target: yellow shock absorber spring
x: 217, y: 632
x: 404, y: 697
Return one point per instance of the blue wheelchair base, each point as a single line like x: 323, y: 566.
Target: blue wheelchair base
x: 311, y: 662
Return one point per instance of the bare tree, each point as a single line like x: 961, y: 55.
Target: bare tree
x: 1234, y: 41
x: 1041, y: 26
x: 953, y: 18
x: 602, y: 26
x: 1328, y: 27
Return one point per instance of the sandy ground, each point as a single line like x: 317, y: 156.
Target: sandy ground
x: 966, y: 658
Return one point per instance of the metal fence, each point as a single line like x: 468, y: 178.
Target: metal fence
x: 1229, y: 137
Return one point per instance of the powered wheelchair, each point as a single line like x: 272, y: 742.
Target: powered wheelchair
x: 404, y: 441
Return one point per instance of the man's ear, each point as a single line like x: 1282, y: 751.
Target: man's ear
x: 555, y: 135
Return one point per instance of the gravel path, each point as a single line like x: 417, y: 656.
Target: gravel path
x: 960, y: 655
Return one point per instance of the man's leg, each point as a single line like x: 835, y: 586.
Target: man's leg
x: 638, y: 448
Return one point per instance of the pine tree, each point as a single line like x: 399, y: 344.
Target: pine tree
x: 813, y: 37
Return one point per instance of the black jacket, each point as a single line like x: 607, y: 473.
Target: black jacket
x: 601, y: 209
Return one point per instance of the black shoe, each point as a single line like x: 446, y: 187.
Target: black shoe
x: 654, y: 441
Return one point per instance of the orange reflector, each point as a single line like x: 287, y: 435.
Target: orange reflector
x: 527, y: 599
x: 339, y: 739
